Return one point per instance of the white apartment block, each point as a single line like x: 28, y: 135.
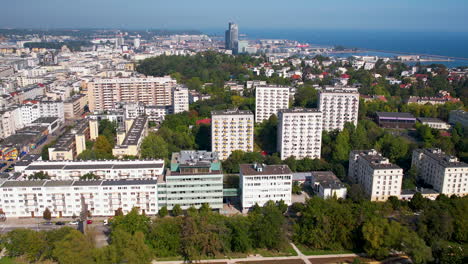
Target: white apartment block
x: 194, y: 178
x: 103, y: 94
x: 338, y: 106
x: 104, y: 169
x: 269, y: 100
x: 68, y: 198
x: 299, y: 133
x: 261, y: 183
x: 34, y: 109
x: 10, y: 121
x: 180, y: 99
x: 379, y: 178
x: 445, y: 173
x: 231, y: 130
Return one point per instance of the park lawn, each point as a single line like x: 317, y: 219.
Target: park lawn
x: 288, y: 251
x: 7, y: 260
x: 315, y: 252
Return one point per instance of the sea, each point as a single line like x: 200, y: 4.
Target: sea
x: 451, y: 44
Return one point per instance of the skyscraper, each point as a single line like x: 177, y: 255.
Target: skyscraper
x: 232, y: 37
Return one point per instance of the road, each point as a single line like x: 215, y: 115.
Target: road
x: 7, y: 227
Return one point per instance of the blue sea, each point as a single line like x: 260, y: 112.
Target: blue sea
x: 433, y: 43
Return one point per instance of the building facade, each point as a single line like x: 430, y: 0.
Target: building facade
x: 231, y: 130
x: 261, y: 183
x: 70, y: 198
x: 338, y: 106
x: 269, y: 100
x: 299, y: 133
x: 232, y: 37
x: 180, y: 99
x: 379, y: 178
x: 445, y: 173
x: 326, y: 185
x: 103, y: 94
x: 104, y: 169
x: 194, y: 178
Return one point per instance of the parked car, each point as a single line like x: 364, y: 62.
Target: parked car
x: 59, y: 223
x: 47, y: 223
x: 74, y: 223
x: 2, y: 165
x: 89, y: 222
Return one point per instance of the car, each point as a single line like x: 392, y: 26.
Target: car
x: 11, y: 159
x: 47, y: 223
x: 59, y: 223
x: 89, y: 222
x: 74, y: 223
x: 2, y: 165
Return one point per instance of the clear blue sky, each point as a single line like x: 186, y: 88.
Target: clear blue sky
x: 407, y: 15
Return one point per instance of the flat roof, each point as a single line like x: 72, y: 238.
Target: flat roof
x: 327, y: 179
x: 394, y: 115
x: 135, y: 132
x: 94, y: 166
x: 231, y: 112
x: 430, y: 119
x: 249, y: 169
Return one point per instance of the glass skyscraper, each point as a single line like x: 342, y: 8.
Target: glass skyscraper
x: 232, y: 37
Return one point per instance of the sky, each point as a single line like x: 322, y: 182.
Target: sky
x: 403, y: 15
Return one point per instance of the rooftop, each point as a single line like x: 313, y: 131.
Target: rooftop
x: 444, y: 160
x: 299, y: 110
x: 53, y: 183
x: 430, y: 119
x: 262, y: 169
x: 397, y: 115
x: 231, y: 112
x: 327, y: 179
x: 375, y: 159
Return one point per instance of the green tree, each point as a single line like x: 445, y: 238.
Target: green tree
x: 131, y: 222
x: 73, y: 248
x: 154, y: 146
x: 176, y: 210
x: 103, y: 148
x: 89, y: 176
x: 40, y: 175
x: 47, y: 215
x: 163, y: 211
x: 25, y: 242
x: 164, y: 236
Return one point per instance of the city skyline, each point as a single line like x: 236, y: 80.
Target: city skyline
x: 365, y: 15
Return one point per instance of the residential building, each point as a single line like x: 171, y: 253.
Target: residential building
x: 299, y: 133
x: 72, y: 144
x: 326, y: 185
x: 395, y: 120
x: 231, y: 130
x: 261, y: 183
x: 444, y: 172
x: 180, y: 99
x: 339, y: 105
x: 269, y: 100
x: 129, y: 140
x: 435, y: 123
x: 458, y: 116
x: 74, y: 106
x: 378, y: 177
x: 70, y: 198
x: 104, y: 169
x: 194, y: 178
x: 103, y: 94
x: 34, y: 109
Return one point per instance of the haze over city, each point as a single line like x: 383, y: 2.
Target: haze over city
x: 415, y: 15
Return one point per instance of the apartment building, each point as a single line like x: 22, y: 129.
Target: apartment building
x: 129, y: 140
x: 269, y: 100
x: 194, y: 178
x: 73, y: 107
x: 10, y: 121
x: 299, y: 133
x: 444, y: 172
x: 379, y: 178
x: 180, y: 99
x: 104, y: 169
x: 33, y: 109
x: 231, y: 130
x: 338, y: 105
x: 72, y: 144
x: 69, y: 198
x: 261, y: 183
x: 103, y: 94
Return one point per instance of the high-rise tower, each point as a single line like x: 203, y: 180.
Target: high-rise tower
x: 232, y: 37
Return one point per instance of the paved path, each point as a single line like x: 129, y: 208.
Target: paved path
x: 300, y: 254
x: 259, y: 258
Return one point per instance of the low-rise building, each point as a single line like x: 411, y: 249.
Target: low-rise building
x: 435, y: 123
x: 445, y: 173
x: 72, y: 144
x: 378, y: 177
x: 261, y: 183
x: 194, y: 178
x: 129, y: 141
x: 327, y: 185
x: 70, y: 198
x: 104, y: 169
x: 395, y: 120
